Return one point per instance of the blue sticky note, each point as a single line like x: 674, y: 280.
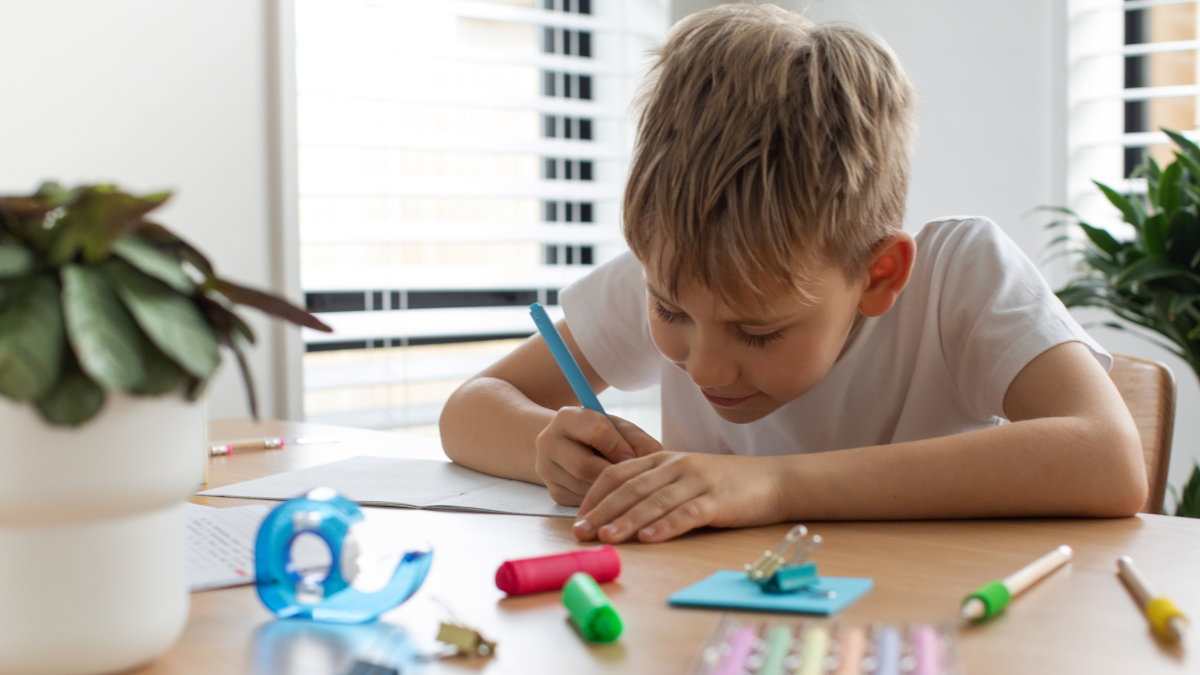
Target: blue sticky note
x: 729, y: 589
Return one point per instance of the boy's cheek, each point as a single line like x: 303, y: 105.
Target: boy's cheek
x: 788, y: 376
x: 670, y: 341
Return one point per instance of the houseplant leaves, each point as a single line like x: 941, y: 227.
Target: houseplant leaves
x: 15, y: 261
x: 162, y: 374
x: 153, y: 262
x: 95, y: 298
x: 100, y: 216
x: 102, y: 333
x: 74, y: 398
x: 266, y: 303
x: 31, y: 337
x: 1152, y: 281
x: 171, y: 321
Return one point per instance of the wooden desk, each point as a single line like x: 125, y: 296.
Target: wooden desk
x: 1081, y: 619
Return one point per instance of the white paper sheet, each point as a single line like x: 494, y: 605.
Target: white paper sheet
x: 408, y: 483
x: 220, y: 546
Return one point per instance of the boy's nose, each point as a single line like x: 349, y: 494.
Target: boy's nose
x: 709, y: 365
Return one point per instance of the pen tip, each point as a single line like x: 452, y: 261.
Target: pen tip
x: 1177, y: 627
x: 973, y: 609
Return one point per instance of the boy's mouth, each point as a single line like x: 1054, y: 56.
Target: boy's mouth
x: 724, y: 402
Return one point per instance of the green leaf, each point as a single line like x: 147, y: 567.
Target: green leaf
x: 1102, y: 263
x: 154, y: 262
x: 74, y: 398
x: 1192, y: 165
x: 1052, y: 209
x: 267, y: 303
x: 1152, y: 173
x: 1183, y: 238
x: 1154, y: 235
x: 160, y: 236
x: 15, y: 261
x: 1102, y: 239
x: 171, y: 321
x: 162, y: 374
x: 106, y: 341
x: 234, y: 342
x: 1169, y: 193
x: 1189, y: 147
x: 194, y: 387
x: 1149, y: 269
x: 1128, y: 212
x: 100, y: 217
x: 31, y: 337
x: 1189, y: 505
x: 1181, y: 302
x: 222, y: 318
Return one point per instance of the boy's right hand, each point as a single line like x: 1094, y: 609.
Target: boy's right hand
x: 565, y: 460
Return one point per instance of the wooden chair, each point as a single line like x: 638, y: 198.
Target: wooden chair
x: 1148, y: 388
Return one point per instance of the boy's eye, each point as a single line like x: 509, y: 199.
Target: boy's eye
x: 667, y: 315
x: 760, y: 340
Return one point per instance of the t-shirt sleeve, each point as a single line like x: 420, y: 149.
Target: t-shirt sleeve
x: 996, y: 313
x: 606, y: 311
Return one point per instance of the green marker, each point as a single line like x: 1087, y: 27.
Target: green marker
x: 990, y: 600
x: 590, y: 609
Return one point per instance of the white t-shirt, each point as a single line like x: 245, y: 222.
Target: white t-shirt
x: 974, y: 313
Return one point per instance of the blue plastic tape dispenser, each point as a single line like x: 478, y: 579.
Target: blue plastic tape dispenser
x: 326, y: 594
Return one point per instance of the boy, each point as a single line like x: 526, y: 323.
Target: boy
x: 816, y: 360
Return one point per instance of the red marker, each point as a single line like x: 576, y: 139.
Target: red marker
x: 550, y: 573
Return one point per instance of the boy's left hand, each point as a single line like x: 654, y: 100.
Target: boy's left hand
x: 665, y: 494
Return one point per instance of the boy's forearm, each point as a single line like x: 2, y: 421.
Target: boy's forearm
x: 1062, y: 466
x: 490, y: 426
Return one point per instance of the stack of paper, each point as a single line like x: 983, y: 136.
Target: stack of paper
x: 408, y: 483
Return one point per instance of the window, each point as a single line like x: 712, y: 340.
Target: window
x: 457, y: 162
x: 1131, y: 71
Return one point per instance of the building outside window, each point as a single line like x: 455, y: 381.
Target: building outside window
x: 457, y: 161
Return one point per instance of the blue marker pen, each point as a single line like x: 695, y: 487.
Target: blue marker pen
x: 566, y: 361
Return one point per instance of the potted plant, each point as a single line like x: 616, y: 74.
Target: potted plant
x: 110, y: 326
x: 1151, y: 281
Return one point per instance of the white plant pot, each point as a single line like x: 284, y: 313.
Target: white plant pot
x: 92, y: 534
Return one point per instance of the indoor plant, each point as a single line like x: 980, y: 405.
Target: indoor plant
x: 1151, y: 281
x: 110, y: 325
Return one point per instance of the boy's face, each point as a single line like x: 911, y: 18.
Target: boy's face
x: 748, y: 363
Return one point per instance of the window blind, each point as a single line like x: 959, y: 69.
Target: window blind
x: 1131, y: 71
x: 458, y: 160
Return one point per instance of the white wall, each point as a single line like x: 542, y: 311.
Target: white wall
x: 991, y: 81
x: 151, y: 94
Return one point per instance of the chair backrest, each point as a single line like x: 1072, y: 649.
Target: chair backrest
x: 1148, y: 388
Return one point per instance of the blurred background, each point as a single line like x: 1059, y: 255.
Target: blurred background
x: 418, y: 172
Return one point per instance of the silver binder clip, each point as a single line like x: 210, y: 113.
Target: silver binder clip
x: 770, y: 562
x: 777, y: 574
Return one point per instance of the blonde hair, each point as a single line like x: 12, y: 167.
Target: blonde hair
x: 767, y: 141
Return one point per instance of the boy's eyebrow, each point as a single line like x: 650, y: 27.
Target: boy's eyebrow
x: 749, y: 321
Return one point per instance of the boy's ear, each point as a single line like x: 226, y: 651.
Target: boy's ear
x: 887, y: 273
